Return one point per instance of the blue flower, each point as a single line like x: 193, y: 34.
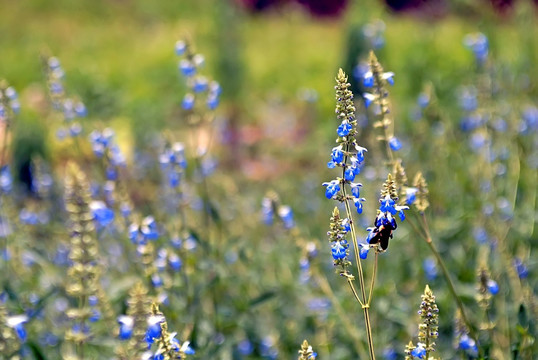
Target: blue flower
x: 466, y: 343
x: 267, y: 211
x: 346, y: 225
x: 338, y: 250
x: 6, y: 181
x: 187, y: 68
x: 80, y: 110
x: 17, y: 323
x: 410, y: 195
x: 188, y: 102
x: 395, y: 144
x: 387, y: 205
x: 245, y: 347
x: 126, y: 327
x: 333, y: 187
x: 154, y: 328
x: 389, y: 77
x: 419, y: 351
x: 95, y: 315
x: 368, y: 99
x: 212, y: 101
x: 101, y: 214
x: 368, y: 80
x: 344, y: 129
x: 493, y: 287
x: 358, y: 204
x: 337, y: 155
x: 286, y: 215
x: 522, y: 270
x: 363, y: 250
x: 355, y: 189
x: 360, y: 153
x: 349, y: 173
x: 200, y: 84
x: 180, y: 48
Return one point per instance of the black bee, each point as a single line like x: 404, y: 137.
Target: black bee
x: 381, y: 235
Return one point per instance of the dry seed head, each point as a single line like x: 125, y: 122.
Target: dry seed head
x: 421, y: 202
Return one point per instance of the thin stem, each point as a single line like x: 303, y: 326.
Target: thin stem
x: 428, y: 239
x: 326, y: 288
x: 373, y: 278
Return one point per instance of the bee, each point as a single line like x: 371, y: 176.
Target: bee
x: 381, y: 235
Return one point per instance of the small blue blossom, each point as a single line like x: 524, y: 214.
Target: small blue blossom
x: 154, y: 328
x: 200, y: 84
x: 6, y: 181
x: 17, y: 322
x: 360, y: 153
x: 522, y: 270
x: 344, y: 129
x: 410, y: 195
x: 245, y: 347
x: 212, y: 102
x: 101, y: 213
x: 363, y: 250
x: 95, y: 316
x: 389, y: 77
x: 93, y: 300
x: 286, y: 215
x: 349, y: 173
x: 419, y: 352
x: 333, y: 187
x: 368, y: 80
x: 466, y: 343
x: 267, y: 211
x: 188, y: 102
x: 395, y: 143
x: 346, y: 225
x: 358, y: 204
x: 339, y: 250
x: 187, y: 68
x: 337, y: 155
x: 368, y: 99
x: 355, y: 189
x: 387, y: 205
x: 493, y: 287
x: 478, y: 44
x: 180, y: 47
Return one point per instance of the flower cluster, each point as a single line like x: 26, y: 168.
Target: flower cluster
x: 168, y: 347
x: 339, y: 245
x: 133, y: 326
x: 69, y: 108
x: 9, y: 103
x: 462, y: 339
x: 189, y: 66
x: 173, y: 163
x: 12, y: 330
x: 487, y: 287
x: 306, y: 352
x: 428, y: 328
x: 84, y: 272
x: 271, y: 205
x: 104, y: 146
x: 385, y: 221
x: 377, y: 80
x: 348, y: 154
x: 478, y: 43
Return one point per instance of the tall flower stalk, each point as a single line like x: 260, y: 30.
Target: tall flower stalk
x: 427, y: 329
x: 349, y: 156
x: 417, y: 194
